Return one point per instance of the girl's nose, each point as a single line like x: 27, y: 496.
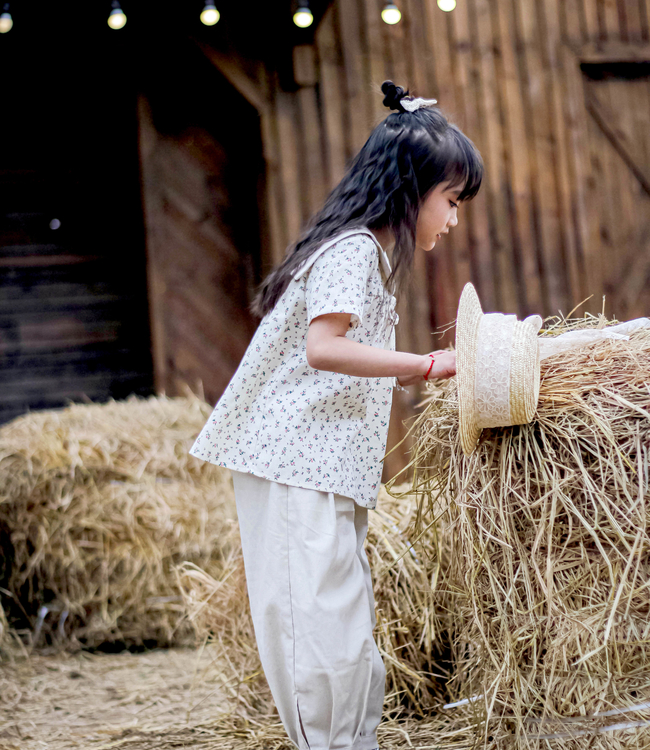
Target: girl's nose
x: 453, y: 219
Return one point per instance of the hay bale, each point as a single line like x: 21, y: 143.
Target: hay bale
x: 549, y: 524
x: 98, y: 504
x: 410, y: 630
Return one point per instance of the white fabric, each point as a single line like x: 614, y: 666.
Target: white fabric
x: 281, y: 419
x: 550, y: 345
x: 313, y: 611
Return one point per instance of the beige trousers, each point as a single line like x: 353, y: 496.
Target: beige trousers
x: 313, y: 611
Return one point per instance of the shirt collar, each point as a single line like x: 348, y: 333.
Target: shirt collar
x: 383, y: 256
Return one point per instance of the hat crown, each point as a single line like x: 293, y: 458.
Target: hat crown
x: 498, y: 368
x: 501, y: 341
x: 492, y: 376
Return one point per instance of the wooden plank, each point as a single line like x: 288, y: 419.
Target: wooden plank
x: 566, y: 255
x: 594, y: 249
x: 574, y: 30
x: 396, y: 45
x: 304, y: 65
x: 610, y: 170
x: 610, y: 22
x: 460, y: 45
x: 536, y: 118
x: 32, y: 261
x: 279, y: 205
x: 607, y: 121
x: 424, y: 54
x: 437, y: 35
x: 644, y: 15
x: 310, y: 128
x: 592, y: 20
x: 273, y: 192
x: 633, y: 256
x: 295, y: 208
x: 376, y: 58
x: 148, y: 143
x: 572, y: 145
x: 633, y: 23
x: 639, y: 110
x: 516, y: 151
x: 416, y: 50
x: 17, y: 307
x: 356, y: 93
x: 614, y: 52
x: 62, y: 387
x: 330, y: 73
x: 488, y: 112
x: 475, y: 214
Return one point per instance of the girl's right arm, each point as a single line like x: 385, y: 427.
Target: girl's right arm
x: 329, y: 349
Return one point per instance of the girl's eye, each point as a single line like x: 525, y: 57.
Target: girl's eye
x: 455, y: 205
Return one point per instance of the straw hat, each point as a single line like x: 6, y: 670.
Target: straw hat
x: 497, y: 368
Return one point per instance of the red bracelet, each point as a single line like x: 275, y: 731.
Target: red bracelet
x: 426, y: 377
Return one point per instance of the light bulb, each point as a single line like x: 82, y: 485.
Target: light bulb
x: 210, y: 15
x: 6, y: 21
x: 391, y: 14
x: 116, y: 19
x: 303, y: 17
x: 446, y: 5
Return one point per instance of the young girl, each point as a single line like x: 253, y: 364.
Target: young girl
x: 304, y: 420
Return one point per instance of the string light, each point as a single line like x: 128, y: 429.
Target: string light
x: 210, y: 15
x: 447, y: 5
x: 303, y: 17
x: 116, y: 19
x: 6, y: 21
x: 391, y: 14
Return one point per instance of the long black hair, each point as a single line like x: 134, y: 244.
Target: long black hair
x: 405, y: 157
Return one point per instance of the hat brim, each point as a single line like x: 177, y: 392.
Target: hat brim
x: 467, y: 325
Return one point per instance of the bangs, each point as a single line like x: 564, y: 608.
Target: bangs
x: 463, y: 164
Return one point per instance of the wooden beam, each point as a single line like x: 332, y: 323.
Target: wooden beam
x: 233, y: 70
x: 614, y: 52
x: 607, y: 121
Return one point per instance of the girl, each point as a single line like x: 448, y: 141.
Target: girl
x: 303, y: 422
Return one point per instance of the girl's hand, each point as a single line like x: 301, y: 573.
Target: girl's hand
x: 443, y: 367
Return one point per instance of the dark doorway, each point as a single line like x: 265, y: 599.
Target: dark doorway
x: 73, y: 307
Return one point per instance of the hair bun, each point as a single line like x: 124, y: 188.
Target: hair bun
x: 393, y: 95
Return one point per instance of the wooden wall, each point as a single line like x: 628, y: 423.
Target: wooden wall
x: 201, y: 174
x: 555, y: 95
x: 73, y: 302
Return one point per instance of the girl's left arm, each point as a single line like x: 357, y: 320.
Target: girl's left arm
x: 329, y: 349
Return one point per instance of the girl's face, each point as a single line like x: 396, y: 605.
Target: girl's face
x: 438, y: 213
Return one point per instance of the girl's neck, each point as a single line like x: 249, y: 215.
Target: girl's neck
x: 385, y: 238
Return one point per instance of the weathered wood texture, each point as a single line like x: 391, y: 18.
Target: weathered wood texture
x: 563, y: 213
x: 73, y: 324
x: 203, y: 254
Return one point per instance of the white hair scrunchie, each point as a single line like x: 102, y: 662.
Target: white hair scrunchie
x: 412, y: 104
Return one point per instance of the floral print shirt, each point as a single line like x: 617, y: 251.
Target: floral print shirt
x: 283, y: 420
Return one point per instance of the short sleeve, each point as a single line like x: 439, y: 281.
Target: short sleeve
x: 338, y: 279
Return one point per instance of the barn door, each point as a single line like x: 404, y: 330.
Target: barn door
x: 617, y: 96
x: 202, y: 165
